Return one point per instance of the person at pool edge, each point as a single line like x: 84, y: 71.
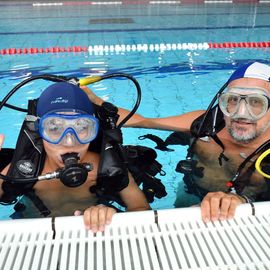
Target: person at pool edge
x: 245, y: 120
x: 66, y: 107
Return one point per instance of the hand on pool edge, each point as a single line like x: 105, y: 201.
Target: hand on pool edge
x: 97, y: 217
x: 219, y: 206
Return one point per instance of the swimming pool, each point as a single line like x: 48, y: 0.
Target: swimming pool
x: 148, y: 41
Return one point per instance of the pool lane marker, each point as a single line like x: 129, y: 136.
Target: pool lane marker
x: 151, y: 2
x: 99, y: 49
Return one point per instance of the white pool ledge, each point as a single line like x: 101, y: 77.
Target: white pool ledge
x: 164, y: 239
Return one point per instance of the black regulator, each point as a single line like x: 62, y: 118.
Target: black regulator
x: 73, y: 174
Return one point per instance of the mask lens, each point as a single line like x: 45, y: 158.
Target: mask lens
x: 229, y: 103
x: 85, y: 129
x: 53, y: 128
x: 256, y: 104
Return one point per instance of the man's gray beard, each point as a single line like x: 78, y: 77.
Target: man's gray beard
x: 247, y: 138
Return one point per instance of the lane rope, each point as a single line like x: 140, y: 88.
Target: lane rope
x: 130, y: 2
x: 92, y: 49
x: 151, y: 2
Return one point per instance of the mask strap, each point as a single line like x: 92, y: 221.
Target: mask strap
x: 208, y: 111
x: 217, y: 140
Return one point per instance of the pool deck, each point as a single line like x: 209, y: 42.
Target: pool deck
x: 164, y: 239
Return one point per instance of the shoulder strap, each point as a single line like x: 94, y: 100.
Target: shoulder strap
x: 96, y: 144
x: 112, y: 169
x: 213, y: 123
x: 28, y: 157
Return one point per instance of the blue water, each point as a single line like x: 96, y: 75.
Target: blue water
x: 172, y: 82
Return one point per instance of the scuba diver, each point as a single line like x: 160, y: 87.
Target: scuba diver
x: 56, y: 169
x: 224, y: 142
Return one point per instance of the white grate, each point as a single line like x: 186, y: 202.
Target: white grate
x: 166, y: 239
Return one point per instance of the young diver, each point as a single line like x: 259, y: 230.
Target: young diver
x: 220, y: 140
x: 67, y: 125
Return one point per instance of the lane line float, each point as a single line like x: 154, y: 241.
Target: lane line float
x: 136, y: 48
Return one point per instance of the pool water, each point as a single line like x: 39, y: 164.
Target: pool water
x: 173, y: 80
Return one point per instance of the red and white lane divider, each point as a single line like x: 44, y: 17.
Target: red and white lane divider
x: 99, y: 49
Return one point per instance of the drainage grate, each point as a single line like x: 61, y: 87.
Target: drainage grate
x: 111, y: 21
x: 134, y: 241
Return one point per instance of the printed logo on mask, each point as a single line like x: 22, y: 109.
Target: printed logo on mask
x: 25, y: 167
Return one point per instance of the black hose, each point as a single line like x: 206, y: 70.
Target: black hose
x: 55, y: 78
x: 18, y: 180
x: 48, y: 77
x: 139, y: 94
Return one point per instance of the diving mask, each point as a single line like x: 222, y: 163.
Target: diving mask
x: 57, y: 127
x: 255, y: 100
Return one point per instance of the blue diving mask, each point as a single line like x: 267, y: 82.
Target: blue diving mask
x: 58, y: 128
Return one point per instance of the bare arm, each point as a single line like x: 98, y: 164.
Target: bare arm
x: 1, y: 181
x: 175, y: 123
x: 133, y: 197
x: 97, y: 217
x: 93, y: 97
x: 1, y: 140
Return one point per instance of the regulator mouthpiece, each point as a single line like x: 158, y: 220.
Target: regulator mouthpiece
x: 73, y: 174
